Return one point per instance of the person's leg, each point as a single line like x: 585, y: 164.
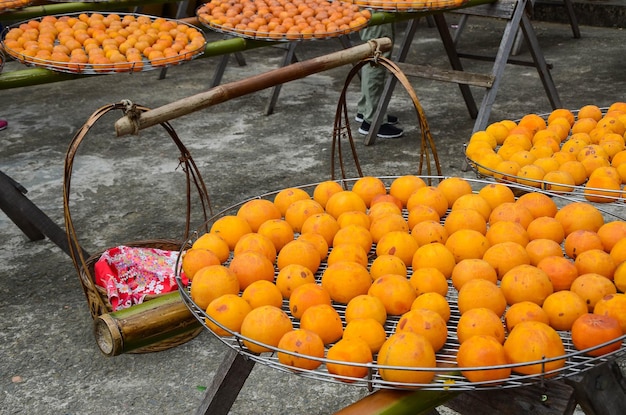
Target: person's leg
x: 373, y: 84
x: 373, y: 77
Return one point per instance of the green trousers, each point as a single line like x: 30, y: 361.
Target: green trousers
x: 373, y: 77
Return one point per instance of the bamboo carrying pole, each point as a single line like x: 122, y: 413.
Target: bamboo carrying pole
x: 126, y: 330
x: 225, y: 92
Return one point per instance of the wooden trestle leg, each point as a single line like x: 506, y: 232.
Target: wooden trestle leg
x: 227, y: 383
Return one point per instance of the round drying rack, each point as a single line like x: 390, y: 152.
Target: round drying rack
x: 277, y: 37
x: 573, y: 193
x: 207, y: 20
x: 447, y: 373
x: 85, y: 68
x: 408, y: 6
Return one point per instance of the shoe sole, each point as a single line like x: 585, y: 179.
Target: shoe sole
x: 386, y: 137
x: 359, y: 119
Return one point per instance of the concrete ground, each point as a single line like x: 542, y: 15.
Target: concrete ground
x: 126, y: 189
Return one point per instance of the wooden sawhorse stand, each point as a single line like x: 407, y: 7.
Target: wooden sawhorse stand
x: 569, y: 9
x: 599, y: 391
x: 289, y: 58
x: 515, y: 12
x: 35, y: 224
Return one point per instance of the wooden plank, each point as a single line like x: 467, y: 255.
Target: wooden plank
x: 227, y: 383
x: 12, y: 195
x: 491, y: 58
x: 447, y: 75
x: 556, y: 398
x: 540, y: 62
x: 27, y: 216
x: 455, y: 62
x: 502, y: 9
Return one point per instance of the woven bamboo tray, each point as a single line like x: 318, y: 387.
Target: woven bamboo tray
x: 96, y: 296
x: 447, y: 376
x: 143, y: 63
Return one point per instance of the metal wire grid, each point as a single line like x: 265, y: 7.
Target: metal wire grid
x: 273, y: 37
x: 447, y: 374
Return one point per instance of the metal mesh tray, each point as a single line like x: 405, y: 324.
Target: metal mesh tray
x: 447, y: 374
x: 248, y: 28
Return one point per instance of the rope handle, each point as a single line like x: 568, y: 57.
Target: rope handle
x: 341, y: 126
x: 186, y: 162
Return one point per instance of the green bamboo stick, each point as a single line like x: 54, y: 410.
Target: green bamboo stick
x: 398, y: 402
x: 32, y: 12
x: 38, y: 76
x: 33, y: 76
x: 232, y: 45
x: 144, y: 325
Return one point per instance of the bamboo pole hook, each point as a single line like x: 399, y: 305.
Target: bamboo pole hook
x: 222, y: 93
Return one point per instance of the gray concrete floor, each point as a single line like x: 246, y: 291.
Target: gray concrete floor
x: 126, y: 189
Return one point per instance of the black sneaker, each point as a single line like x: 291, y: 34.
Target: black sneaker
x: 391, y: 119
x: 385, y: 130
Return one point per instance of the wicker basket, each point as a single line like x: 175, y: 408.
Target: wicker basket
x: 84, y: 263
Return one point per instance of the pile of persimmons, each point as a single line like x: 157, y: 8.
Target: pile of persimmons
x: 568, y: 151
x: 387, y: 276
x: 284, y: 19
